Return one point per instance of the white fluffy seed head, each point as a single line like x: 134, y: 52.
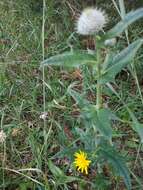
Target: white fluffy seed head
x: 91, y: 21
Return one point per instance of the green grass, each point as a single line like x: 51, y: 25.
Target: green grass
x: 21, y: 97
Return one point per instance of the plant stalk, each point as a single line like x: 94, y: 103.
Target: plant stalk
x: 98, y: 86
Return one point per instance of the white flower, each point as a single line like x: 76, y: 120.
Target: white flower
x: 2, y: 136
x: 91, y: 21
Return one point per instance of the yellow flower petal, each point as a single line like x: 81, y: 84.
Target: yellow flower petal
x: 81, y: 162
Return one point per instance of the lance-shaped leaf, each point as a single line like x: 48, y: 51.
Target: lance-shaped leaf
x: 60, y: 176
x: 71, y: 59
x: 122, y: 25
x: 99, y: 119
x: 120, y: 61
x: 80, y: 100
x: 103, y: 123
x: 112, y: 156
x: 138, y: 127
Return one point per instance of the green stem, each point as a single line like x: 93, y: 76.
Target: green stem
x: 98, y: 87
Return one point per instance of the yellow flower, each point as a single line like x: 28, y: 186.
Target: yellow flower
x: 81, y: 162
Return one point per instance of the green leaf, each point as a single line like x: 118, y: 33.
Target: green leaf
x: 122, y: 8
x: 70, y: 59
x: 138, y: 127
x: 60, y: 175
x: 69, y: 179
x: 87, y: 138
x: 121, y: 60
x: 99, y: 119
x: 57, y: 172
x: 122, y: 25
x: 107, y: 61
x: 80, y: 100
x: 103, y: 123
x: 117, y: 162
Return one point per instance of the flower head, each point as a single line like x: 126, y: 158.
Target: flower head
x: 2, y: 136
x: 91, y: 21
x: 81, y: 162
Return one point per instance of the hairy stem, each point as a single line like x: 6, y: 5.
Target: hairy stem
x: 98, y: 87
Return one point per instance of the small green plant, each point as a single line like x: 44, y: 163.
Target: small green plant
x: 97, y: 136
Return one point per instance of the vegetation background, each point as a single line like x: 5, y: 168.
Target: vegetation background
x: 21, y: 91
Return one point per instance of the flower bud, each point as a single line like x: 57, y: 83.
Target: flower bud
x: 110, y: 42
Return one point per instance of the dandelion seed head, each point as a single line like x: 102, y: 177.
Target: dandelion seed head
x: 91, y: 21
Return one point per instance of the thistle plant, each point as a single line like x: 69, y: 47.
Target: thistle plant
x: 96, y: 138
